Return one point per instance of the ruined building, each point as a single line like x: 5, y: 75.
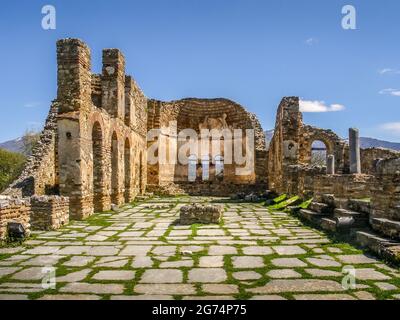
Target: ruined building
x: 93, y: 153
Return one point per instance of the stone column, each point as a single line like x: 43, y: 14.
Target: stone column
x: 354, y: 143
x: 113, y: 83
x: 330, y: 164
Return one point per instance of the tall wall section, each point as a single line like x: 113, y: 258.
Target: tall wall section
x: 197, y: 114
x: 101, y: 130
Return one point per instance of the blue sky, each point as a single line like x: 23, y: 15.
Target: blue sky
x: 251, y: 51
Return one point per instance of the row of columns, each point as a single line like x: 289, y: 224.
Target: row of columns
x: 355, y: 154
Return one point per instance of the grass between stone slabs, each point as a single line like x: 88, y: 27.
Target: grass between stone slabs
x: 278, y: 221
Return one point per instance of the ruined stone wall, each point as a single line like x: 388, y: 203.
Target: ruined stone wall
x: 40, y: 175
x: 196, y: 114
x: 49, y: 212
x: 386, y: 192
x: 334, y: 145
x: 284, y: 146
x: 289, y: 159
x: 308, y: 181
x: 370, y: 156
x: 14, y: 210
x: 102, y: 123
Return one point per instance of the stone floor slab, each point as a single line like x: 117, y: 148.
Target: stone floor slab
x: 207, y: 275
x: 221, y: 250
x: 309, y: 285
x: 162, y: 276
x: 288, y: 250
x: 168, y: 289
x: 114, y: 275
x: 81, y: 287
x: 247, y: 262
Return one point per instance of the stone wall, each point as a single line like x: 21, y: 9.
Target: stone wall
x: 40, y: 175
x: 101, y: 130
x: 173, y: 117
x: 284, y: 146
x: 370, y: 156
x: 49, y: 212
x: 386, y: 192
x: 307, y: 181
x: 334, y: 145
x: 14, y: 210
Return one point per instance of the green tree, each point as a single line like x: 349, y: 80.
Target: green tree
x: 11, y: 166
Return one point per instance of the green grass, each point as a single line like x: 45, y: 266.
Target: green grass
x: 280, y: 198
x: 284, y: 203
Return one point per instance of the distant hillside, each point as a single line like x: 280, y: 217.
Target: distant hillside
x: 375, y: 143
x: 16, y: 145
x: 364, y: 142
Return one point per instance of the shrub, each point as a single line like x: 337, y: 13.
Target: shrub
x: 11, y: 166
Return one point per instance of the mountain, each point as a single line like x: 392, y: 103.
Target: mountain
x: 16, y: 145
x: 375, y: 143
x: 364, y: 142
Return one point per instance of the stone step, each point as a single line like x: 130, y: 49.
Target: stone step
x: 340, y: 203
x: 311, y: 216
x: 387, y: 227
x: 328, y: 224
x: 328, y: 199
x: 320, y: 207
x: 360, y: 205
x: 382, y: 246
x: 349, y: 213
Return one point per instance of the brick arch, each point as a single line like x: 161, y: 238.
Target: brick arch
x: 96, y: 116
x: 334, y: 144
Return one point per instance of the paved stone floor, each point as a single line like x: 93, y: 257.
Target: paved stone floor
x: 141, y: 253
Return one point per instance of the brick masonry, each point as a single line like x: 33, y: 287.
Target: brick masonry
x: 49, y: 212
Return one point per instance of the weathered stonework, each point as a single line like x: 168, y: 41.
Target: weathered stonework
x: 14, y: 210
x: 209, y: 114
x: 92, y: 154
x: 49, y: 212
x: 370, y: 156
x: 40, y: 175
x: 101, y: 130
x: 199, y: 213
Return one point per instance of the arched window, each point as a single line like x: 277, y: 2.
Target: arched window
x: 219, y: 166
x: 318, y: 153
x: 192, y: 168
x: 205, y: 165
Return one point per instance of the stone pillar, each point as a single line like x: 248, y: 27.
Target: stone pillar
x: 129, y: 101
x: 330, y: 164
x: 74, y: 145
x: 113, y: 83
x: 354, y: 143
x: 73, y: 75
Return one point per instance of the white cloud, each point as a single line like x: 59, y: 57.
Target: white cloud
x: 389, y: 71
x: 390, y: 91
x: 311, y: 41
x: 319, y: 106
x: 33, y: 104
x: 391, y: 126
